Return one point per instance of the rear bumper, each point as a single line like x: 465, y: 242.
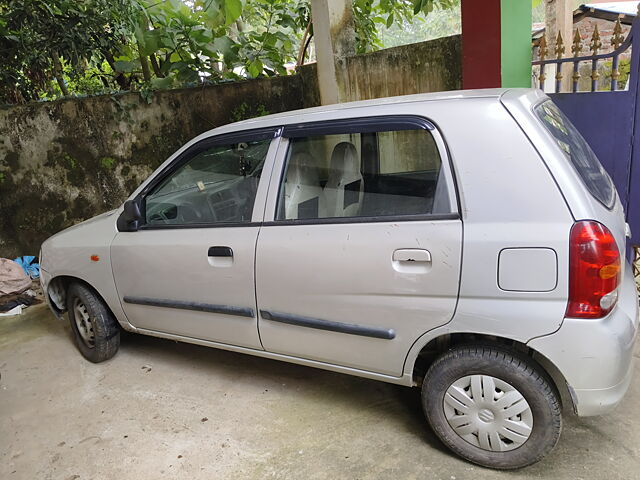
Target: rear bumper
x: 596, y: 356
x: 599, y: 401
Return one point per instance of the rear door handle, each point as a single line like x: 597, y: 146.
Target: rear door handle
x: 412, y: 255
x: 220, y: 252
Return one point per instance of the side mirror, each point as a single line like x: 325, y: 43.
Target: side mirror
x: 130, y: 218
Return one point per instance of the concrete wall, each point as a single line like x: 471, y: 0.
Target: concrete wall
x: 64, y: 161
x: 432, y: 66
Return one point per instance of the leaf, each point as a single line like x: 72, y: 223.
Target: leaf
x: 427, y: 6
x: 390, y: 20
x: 124, y: 66
x: 151, y: 41
x: 201, y: 36
x: 232, y: 10
x: 213, y: 15
x: 417, y: 6
x: 226, y: 46
x: 255, y: 68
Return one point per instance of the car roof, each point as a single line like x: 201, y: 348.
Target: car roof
x: 293, y: 116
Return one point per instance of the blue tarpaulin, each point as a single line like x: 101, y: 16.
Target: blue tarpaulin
x: 29, y: 265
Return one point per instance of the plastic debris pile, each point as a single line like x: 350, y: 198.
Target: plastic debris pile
x: 17, y: 289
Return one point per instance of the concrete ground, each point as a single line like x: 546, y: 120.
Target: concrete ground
x: 161, y: 409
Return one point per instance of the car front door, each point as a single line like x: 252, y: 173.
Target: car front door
x: 362, y: 254
x: 188, y: 270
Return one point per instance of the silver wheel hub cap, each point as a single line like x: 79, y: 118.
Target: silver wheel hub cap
x: 488, y: 413
x: 83, y: 323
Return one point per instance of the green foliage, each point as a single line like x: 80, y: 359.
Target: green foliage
x: 71, y: 162
x: 244, y: 111
x: 373, y: 17
x: 107, y: 162
x: 438, y: 23
x: 94, y: 80
x: 51, y: 48
x: 38, y: 37
x: 606, y: 68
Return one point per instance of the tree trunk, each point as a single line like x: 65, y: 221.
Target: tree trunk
x: 120, y: 79
x: 334, y: 37
x: 303, y: 44
x: 57, y: 72
x: 156, y: 67
x: 144, y: 63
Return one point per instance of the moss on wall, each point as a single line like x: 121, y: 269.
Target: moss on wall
x: 62, y: 162
x: 65, y: 161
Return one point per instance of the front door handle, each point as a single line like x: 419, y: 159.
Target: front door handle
x: 411, y: 260
x: 412, y: 255
x: 220, y: 252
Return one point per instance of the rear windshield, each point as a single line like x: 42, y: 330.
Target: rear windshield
x: 576, y: 149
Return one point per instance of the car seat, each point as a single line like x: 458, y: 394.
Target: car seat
x: 342, y: 195
x: 302, y: 188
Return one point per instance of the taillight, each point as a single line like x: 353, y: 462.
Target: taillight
x: 594, y: 270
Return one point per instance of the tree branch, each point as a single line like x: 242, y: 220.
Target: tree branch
x: 57, y: 72
x: 156, y: 66
x: 303, y: 44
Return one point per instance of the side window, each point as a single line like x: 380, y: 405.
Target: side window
x: 387, y: 173
x: 216, y: 184
x: 578, y: 152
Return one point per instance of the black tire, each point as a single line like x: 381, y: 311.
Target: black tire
x: 103, y: 339
x: 518, y: 371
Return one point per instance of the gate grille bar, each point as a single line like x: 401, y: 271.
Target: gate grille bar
x: 619, y: 44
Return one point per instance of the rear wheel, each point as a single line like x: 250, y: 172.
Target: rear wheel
x: 95, y: 330
x: 491, y: 406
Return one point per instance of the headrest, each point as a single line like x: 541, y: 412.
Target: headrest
x: 345, y: 158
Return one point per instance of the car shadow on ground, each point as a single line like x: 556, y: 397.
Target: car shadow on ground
x: 394, y: 403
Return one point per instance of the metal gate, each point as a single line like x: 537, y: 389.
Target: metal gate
x: 609, y: 120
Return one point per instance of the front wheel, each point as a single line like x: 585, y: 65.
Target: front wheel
x: 96, y: 331
x: 492, y: 407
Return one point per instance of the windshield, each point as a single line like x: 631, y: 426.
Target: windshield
x: 578, y: 152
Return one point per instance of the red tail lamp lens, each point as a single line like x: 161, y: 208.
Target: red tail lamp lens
x: 594, y: 270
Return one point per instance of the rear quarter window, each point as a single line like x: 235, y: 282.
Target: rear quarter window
x: 578, y: 152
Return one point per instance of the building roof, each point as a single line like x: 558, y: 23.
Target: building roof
x: 624, y: 8
x: 625, y: 11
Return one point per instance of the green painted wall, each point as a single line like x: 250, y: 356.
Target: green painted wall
x: 515, y: 55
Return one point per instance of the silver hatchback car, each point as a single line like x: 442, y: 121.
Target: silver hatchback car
x: 469, y: 243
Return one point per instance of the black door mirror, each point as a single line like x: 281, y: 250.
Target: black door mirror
x: 131, y: 216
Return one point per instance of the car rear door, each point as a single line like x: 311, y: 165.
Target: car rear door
x: 189, y: 269
x: 362, y: 252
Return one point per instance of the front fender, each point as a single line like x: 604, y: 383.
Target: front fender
x: 82, y: 253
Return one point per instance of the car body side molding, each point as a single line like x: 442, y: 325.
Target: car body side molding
x: 197, y: 306
x: 383, y: 333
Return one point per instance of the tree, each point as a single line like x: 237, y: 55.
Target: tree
x: 371, y: 15
x: 60, y: 47
x: 38, y: 37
